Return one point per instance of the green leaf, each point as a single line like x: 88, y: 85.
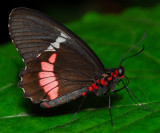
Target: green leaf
x: 110, y: 36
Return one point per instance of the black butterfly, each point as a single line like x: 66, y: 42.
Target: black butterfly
x: 59, y: 66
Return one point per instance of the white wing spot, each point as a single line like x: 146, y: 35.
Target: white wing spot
x: 50, y: 47
x: 60, y: 39
x: 55, y: 44
x: 63, y: 35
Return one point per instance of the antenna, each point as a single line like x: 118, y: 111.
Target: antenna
x: 124, y: 57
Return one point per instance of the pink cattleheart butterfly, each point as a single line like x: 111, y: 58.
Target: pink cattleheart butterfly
x: 59, y: 66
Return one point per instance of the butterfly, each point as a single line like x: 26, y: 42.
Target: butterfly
x: 59, y: 66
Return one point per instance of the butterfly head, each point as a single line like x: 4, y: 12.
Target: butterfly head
x: 121, y: 72
x: 115, y: 73
x: 114, y: 76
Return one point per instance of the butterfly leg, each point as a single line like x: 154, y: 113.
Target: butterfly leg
x: 119, y: 89
x: 109, y: 100
x: 115, y: 91
x: 74, y: 114
x: 129, y: 91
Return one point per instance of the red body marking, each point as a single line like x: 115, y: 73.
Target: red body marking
x: 53, y: 94
x: 52, y: 58
x: 103, y: 82
x: 45, y: 74
x: 46, y: 66
x: 110, y: 78
x: 95, y: 86
x: 50, y: 86
x: 116, y: 71
x: 90, y: 88
x: 84, y: 93
x: 114, y: 75
x: 121, y: 76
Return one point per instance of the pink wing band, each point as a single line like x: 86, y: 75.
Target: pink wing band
x: 45, y: 81
x: 53, y: 94
x: 47, y: 77
x: 50, y: 86
x: 52, y: 58
x: 47, y: 66
x: 45, y: 74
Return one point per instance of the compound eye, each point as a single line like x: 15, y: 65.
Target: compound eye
x: 120, y: 71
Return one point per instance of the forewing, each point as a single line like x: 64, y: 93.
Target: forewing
x: 32, y: 32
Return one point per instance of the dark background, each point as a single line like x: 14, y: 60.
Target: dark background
x: 65, y: 11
